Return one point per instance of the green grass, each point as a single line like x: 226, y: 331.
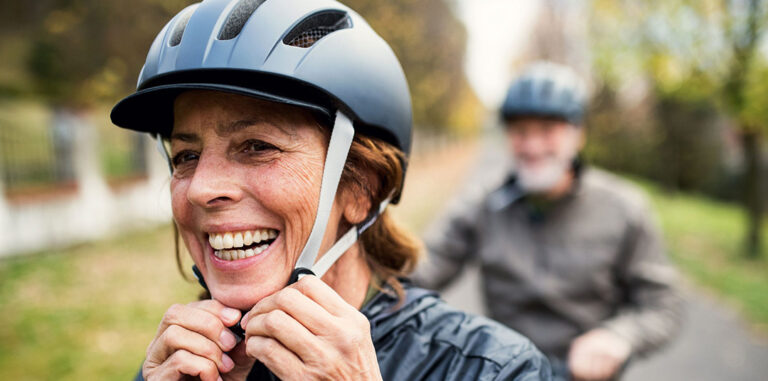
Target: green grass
x: 705, y: 238
x: 86, y: 313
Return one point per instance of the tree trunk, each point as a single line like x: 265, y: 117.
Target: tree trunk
x: 753, y: 193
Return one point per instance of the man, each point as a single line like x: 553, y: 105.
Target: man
x: 569, y: 254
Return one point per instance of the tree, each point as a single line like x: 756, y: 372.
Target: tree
x: 78, y: 52
x: 696, y: 50
x: 430, y: 42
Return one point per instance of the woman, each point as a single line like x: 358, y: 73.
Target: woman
x: 286, y: 124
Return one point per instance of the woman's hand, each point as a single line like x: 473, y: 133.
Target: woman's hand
x: 308, y: 332
x: 192, y: 340
x: 598, y: 354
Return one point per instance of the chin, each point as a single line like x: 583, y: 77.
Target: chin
x: 541, y: 178
x: 244, y: 296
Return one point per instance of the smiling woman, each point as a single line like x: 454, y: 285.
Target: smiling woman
x: 245, y: 165
x: 284, y: 156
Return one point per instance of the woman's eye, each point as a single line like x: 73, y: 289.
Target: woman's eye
x: 184, y: 157
x: 257, y: 146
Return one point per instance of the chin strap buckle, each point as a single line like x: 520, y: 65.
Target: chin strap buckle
x: 199, y: 277
x: 298, y: 273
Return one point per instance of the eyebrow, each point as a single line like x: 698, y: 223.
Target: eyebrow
x: 239, y: 125
x: 190, y: 138
x: 230, y: 128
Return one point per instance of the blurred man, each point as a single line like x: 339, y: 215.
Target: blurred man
x: 569, y: 254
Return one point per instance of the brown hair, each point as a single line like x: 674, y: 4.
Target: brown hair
x: 376, y: 168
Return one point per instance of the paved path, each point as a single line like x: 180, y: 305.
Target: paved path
x: 715, y: 343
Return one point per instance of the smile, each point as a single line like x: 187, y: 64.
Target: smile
x: 231, y: 246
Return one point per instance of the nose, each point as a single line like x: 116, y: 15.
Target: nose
x: 528, y: 141
x: 534, y: 141
x: 214, y: 183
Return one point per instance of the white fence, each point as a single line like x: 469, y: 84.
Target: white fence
x: 94, y: 211
x: 97, y: 210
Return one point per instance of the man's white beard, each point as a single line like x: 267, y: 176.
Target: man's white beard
x: 544, y: 177
x: 551, y: 169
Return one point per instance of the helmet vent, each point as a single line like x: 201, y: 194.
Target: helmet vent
x: 181, y: 25
x: 238, y: 17
x: 317, y: 26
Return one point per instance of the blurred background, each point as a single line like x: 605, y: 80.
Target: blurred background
x: 680, y: 89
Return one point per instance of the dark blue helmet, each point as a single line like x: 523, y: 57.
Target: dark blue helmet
x: 546, y: 90
x: 317, y: 54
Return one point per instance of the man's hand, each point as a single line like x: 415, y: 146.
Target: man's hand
x: 306, y: 331
x: 597, y: 355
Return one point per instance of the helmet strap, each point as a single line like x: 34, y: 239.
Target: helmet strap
x: 338, y: 148
x: 347, y: 240
x: 163, y: 150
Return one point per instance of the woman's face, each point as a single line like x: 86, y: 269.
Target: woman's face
x: 245, y: 189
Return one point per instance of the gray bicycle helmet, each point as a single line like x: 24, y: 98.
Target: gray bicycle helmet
x: 316, y: 54
x: 549, y: 90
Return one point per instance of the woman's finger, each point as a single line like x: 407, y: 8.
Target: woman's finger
x: 228, y: 316
x: 289, y: 333
x: 175, y: 313
x: 183, y: 363
x: 209, y: 318
x: 291, y: 301
x: 278, y: 359
x: 317, y: 290
x: 176, y: 338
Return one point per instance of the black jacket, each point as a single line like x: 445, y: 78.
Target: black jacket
x: 425, y: 339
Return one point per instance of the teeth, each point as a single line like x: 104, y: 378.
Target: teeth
x: 247, y: 238
x: 233, y: 255
x: 228, y: 241
x: 261, y: 248
x: 237, y: 240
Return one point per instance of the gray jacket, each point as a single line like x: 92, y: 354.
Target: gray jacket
x: 423, y: 338
x: 593, y: 259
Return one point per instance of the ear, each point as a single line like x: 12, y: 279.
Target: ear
x: 355, y: 204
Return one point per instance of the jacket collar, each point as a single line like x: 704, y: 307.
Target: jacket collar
x: 386, y: 311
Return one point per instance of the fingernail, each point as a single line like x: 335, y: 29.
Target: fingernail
x: 230, y: 314
x: 227, y: 339
x: 227, y: 362
x: 219, y: 379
